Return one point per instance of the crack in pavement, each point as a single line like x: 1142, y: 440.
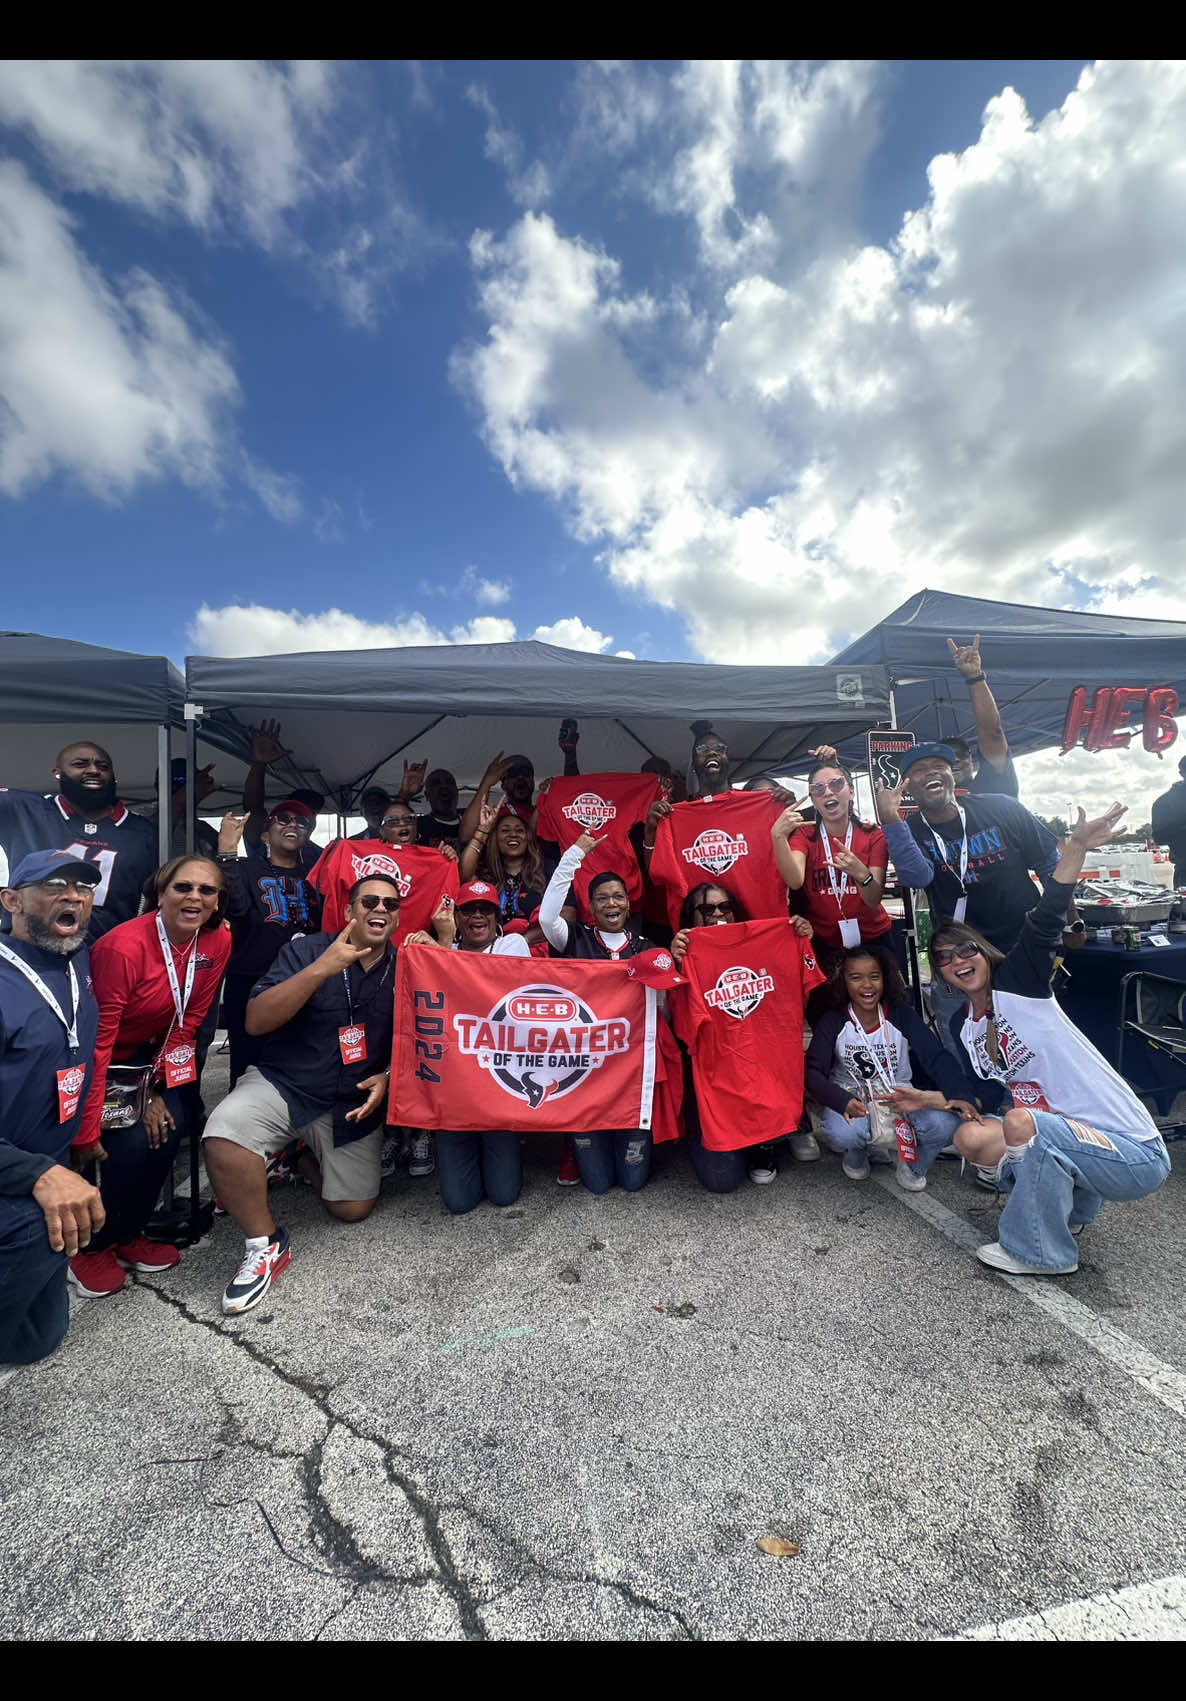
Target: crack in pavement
x: 335, y: 1538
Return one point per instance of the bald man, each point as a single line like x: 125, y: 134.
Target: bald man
x: 84, y: 816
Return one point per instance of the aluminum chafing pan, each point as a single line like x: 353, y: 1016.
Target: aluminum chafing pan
x: 1138, y: 914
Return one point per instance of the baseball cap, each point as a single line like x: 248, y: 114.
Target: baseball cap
x: 655, y: 968
x: 519, y: 765
x: 477, y: 892
x: 294, y: 807
x: 31, y: 870
x: 909, y: 757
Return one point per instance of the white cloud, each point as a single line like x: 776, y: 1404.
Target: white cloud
x: 490, y: 593
x: 1052, y: 784
x: 256, y: 630
x: 109, y: 381
x: 528, y: 184
x: 572, y: 634
x: 990, y: 404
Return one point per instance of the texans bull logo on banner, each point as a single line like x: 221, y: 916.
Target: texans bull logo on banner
x: 590, y: 811
x: 541, y: 1042
x: 739, y: 991
x: 374, y: 863
x: 715, y: 851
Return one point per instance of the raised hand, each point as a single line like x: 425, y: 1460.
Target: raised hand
x: 412, y: 783
x: 787, y: 823
x: 487, y: 816
x: 447, y: 851
x: 587, y: 842
x: 343, y: 952
x: 889, y: 801
x: 1092, y: 834
x: 230, y: 833
x: 966, y: 656
x: 802, y: 927
x: 444, y: 922
x: 824, y: 753
x: 655, y: 814
x: 679, y: 945
x: 204, y: 782
x: 265, y: 743
x: 495, y: 769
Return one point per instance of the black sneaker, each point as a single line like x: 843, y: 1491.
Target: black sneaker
x: 255, y: 1275
x: 763, y: 1166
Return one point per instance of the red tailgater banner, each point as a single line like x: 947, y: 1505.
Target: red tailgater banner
x: 521, y: 1043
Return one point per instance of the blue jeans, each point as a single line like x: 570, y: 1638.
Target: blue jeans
x: 933, y: 1128
x: 34, y: 1302
x: 1062, y: 1180
x: 473, y: 1167
x: 616, y: 1154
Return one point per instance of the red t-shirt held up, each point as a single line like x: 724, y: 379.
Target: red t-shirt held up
x: 724, y: 839
x: 741, y: 1018
x: 423, y: 876
x: 869, y: 844
x: 601, y: 804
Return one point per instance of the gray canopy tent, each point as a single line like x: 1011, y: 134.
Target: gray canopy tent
x: 55, y: 690
x: 353, y: 718
x: 1034, y: 658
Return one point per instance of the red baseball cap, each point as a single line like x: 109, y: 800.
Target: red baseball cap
x: 655, y: 968
x: 294, y: 806
x: 478, y: 892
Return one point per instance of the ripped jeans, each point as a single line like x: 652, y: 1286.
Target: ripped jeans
x: 616, y: 1154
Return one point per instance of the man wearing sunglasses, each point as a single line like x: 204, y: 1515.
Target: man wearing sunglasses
x: 48, y: 1024
x: 324, y: 1012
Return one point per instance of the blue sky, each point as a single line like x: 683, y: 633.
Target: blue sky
x: 703, y: 360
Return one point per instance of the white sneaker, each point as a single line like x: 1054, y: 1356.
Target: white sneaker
x: 804, y: 1147
x: 423, y: 1162
x: 856, y: 1166
x: 763, y: 1167
x: 997, y: 1258
x: 908, y: 1178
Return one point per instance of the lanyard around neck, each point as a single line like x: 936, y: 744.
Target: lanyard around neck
x: 36, y: 982
x: 941, y: 846
x: 891, y: 1051
x: 180, y: 1003
x: 839, y: 887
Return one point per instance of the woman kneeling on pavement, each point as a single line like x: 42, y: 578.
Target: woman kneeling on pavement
x: 859, y: 1069
x: 488, y: 1165
x: 1076, y: 1133
x: 155, y: 978
x: 616, y: 1154
x: 723, y: 1172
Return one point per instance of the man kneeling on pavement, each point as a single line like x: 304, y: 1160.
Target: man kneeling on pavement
x: 325, y: 1011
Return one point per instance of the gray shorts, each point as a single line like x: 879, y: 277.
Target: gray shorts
x: 254, y: 1115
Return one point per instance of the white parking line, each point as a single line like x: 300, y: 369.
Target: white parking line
x: 1148, y: 1612
x: 1154, y: 1375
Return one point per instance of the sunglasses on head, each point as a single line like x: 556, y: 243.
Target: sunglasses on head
x: 187, y: 886
x: 825, y: 786
x: 941, y: 957
x: 372, y: 900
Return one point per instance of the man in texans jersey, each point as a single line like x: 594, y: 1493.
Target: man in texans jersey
x: 85, y: 817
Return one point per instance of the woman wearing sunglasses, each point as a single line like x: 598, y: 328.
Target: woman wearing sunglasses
x: 1067, y: 1132
x: 155, y: 980
x: 838, y: 863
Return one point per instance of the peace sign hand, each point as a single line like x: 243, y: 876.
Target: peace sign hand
x: 966, y: 656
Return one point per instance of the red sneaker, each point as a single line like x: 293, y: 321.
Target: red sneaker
x: 147, y: 1255
x: 569, y: 1172
x: 96, y: 1273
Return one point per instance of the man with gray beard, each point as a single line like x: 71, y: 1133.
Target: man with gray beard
x: 48, y: 1024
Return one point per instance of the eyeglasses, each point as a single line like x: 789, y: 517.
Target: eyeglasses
x: 372, y: 900
x: 187, y: 886
x: 711, y: 750
x: 397, y: 821
x: 825, y: 786
x: 291, y: 821
x: 941, y: 958
x: 58, y: 883
x: 714, y: 909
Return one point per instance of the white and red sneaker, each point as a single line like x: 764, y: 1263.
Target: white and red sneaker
x: 147, y: 1256
x: 96, y: 1274
x: 255, y: 1275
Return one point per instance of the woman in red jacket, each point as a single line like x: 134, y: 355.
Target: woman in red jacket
x: 155, y: 980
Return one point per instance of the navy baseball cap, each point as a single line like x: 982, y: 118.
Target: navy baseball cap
x: 909, y: 757
x: 31, y: 870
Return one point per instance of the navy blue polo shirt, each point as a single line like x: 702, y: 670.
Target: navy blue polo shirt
x: 303, y: 1060
x: 33, y: 1048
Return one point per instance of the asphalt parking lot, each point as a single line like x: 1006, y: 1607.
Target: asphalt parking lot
x: 576, y: 1419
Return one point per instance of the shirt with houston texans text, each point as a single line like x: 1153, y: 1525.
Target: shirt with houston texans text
x: 122, y: 846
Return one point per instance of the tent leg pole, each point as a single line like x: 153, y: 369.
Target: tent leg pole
x: 191, y: 768
x: 893, y: 708
x: 164, y: 794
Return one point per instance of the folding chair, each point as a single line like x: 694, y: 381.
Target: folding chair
x: 1153, y: 1010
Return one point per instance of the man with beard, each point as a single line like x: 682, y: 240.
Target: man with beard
x: 442, y: 824
x: 48, y: 1024
x: 373, y: 804
x: 86, y: 818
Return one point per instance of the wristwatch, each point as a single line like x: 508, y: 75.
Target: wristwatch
x: 867, y: 881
